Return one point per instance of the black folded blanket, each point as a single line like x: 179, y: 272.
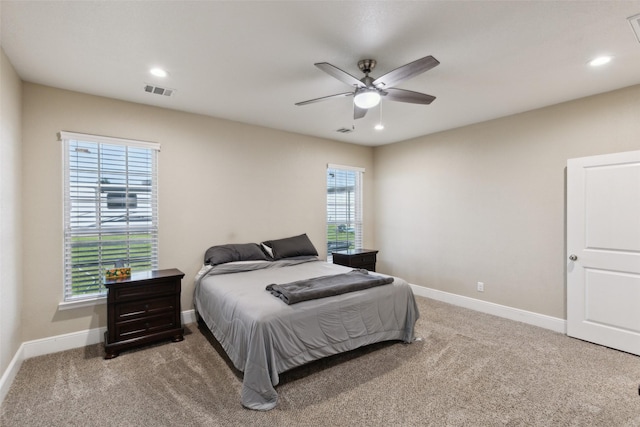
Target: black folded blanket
x: 326, y: 286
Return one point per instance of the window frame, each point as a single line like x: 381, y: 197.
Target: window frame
x: 353, y: 218
x: 139, y: 238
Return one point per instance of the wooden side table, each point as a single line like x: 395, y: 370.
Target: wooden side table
x: 142, y: 309
x: 356, y: 258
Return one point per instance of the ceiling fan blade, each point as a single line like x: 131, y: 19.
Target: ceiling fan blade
x: 402, y: 95
x: 358, y: 112
x: 311, y: 101
x: 336, y: 72
x: 405, y: 72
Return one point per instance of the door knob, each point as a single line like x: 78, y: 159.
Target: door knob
x: 573, y: 257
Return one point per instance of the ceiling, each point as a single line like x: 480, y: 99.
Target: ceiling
x: 250, y: 61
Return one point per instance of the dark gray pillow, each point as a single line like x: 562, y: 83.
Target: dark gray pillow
x: 222, y: 254
x: 291, y: 246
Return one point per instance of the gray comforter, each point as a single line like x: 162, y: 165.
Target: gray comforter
x: 264, y: 337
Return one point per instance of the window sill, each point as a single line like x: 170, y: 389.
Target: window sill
x: 90, y: 302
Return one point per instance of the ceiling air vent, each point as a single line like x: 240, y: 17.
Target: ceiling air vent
x: 635, y: 25
x: 345, y: 130
x: 158, y: 90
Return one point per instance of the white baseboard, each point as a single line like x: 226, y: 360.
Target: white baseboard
x: 188, y: 316
x: 40, y: 347
x: 541, y: 320
x: 62, y: 342
x: 10, y: 373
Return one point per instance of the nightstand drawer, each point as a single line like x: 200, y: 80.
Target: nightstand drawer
x: 356, y: 258
x: 136, y: 309
x: 139, y: 291
x: 141, y: 327
x: 370, y: 267
x: 361, y: 260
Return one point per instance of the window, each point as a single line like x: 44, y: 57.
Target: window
x: 110, y: 210
x: 344, y: 208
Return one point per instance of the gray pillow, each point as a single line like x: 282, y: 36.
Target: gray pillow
x: 222, y: 254
x: 291, y: 246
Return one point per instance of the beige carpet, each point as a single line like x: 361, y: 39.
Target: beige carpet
x: 471, y: 369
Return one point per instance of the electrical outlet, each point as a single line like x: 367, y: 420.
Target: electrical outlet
x: 480, y: 287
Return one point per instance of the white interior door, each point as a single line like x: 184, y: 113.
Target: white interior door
x: 603, y: 250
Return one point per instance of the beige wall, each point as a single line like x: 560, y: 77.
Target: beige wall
x: 10, y: 238
x: 480, y: 203
x: 220, y: 182
x: 487, y: 202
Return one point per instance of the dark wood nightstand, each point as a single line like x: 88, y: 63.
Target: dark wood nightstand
x: 356, y: 258
x: 142, y: 309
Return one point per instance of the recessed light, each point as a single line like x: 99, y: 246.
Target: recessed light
x: 601, y: 60
x: 379, y: 126
x: 158, y: 72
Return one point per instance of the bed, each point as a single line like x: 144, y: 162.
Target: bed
x: 264, y: 336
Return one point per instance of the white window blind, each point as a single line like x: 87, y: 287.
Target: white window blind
x: 344, y: 208
x: 110, y: 210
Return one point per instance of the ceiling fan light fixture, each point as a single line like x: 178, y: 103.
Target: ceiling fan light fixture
x: 367, y: 98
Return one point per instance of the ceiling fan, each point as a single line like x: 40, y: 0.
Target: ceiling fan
x: 368, y: 91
